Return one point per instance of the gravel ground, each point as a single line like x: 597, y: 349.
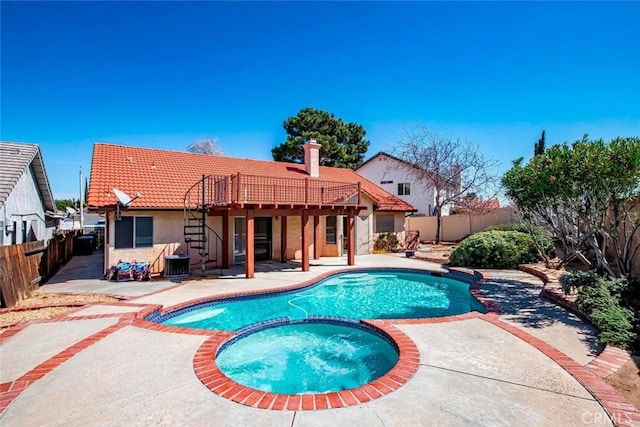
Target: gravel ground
x: 45, y: 306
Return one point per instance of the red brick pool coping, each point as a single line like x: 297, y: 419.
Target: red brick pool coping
x: 210, y: 375
x: 617, y: 406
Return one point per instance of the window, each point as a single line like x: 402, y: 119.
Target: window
x: 386, y: 182
x: 384, y: 223
x: 14, y: 233
x: 404, y: 189
x: 332, y: 222
x: 31, y: 235
x: 134, y: 232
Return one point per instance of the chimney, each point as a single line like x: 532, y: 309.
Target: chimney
x: 312, y: 158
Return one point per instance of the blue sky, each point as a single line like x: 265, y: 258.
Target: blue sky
x: 164, y: 74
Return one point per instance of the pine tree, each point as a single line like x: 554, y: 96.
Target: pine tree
x: 539, y: 147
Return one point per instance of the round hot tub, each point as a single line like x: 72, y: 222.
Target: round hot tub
x: 307, y: 357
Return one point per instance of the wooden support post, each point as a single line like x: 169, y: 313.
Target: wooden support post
x: 226, y: 241
x: 316, y: 237
x: 305, y: 240
x: 249, y: 263
x: 351, y: 247
x: 283, y: 239
x: 306, y: 191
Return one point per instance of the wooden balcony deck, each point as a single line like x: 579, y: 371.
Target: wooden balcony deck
x: 243, y: 191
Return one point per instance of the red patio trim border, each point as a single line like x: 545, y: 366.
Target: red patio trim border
x: 9, y: 391
x: 617, y: 406
x: 609, y: 361
x: 311, y: 281
x: 210, y: 375
x: 621, y: 411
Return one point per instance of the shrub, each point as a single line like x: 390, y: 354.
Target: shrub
x: 495, y: 249
x: 615, y: 325
x: 541, y: 236
x: 594, y: 296
x: 509, y: 226
x: 577, y: 279
x: 386, y: 242
x: 601, y: 299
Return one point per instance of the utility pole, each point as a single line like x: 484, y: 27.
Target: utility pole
x: 81, y: 204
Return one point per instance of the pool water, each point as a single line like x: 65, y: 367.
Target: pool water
x: 375, y: 294
x: 307, y: 358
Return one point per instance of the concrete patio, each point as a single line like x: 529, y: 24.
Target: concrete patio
x: 93, y: 366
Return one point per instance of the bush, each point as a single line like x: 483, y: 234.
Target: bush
x: 577, y: 279
x: 509, y: 226
x: 615, y: 325
x: 601, y: 299
x: 595, y: 296
x: 495, y: 249
x: 540, y: 235
x: 386, y: 242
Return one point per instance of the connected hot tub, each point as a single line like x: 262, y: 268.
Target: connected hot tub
x: 307, y: 357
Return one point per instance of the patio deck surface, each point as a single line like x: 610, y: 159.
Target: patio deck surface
x: 97, y: 365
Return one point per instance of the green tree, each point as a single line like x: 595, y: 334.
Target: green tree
x: 86, y: 190
x: 62, y: 204
x: 342, y: 143
x: 539, y: 147
x: 586, y: 194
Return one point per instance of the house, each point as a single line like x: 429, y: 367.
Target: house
x: 473, y: 205
x: 221, y: 210
x: 27, y: 207
x: 396, y: 176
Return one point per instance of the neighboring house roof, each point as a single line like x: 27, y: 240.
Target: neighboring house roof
x: 16, y: 158
x: 382, y: 153
x: 163, y: 177
x: 477, y: 206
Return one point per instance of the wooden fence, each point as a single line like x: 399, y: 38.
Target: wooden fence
x: 25, y: 266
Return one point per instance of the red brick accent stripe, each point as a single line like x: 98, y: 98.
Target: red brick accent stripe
x: 609, y: 361
x: 10, y: 390
x: 474, y: 288
x: 621, y: 411
x: 210, y: 375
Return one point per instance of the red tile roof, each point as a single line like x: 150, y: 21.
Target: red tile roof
x: 163, y: 177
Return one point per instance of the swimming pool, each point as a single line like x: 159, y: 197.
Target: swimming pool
x: 307, y: 357
x: 362, y: 294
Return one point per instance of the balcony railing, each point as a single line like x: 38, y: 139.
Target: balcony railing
x: 241, y: 189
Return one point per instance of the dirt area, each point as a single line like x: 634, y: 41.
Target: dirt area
x: 46, y: 306
x: 627, y: 381
x: 439, y: 253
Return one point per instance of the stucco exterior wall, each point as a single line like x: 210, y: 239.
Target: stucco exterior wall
x: 168, y: 239
x: 384, y: 168
x: 24, y: 204
x: 364, y: 229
